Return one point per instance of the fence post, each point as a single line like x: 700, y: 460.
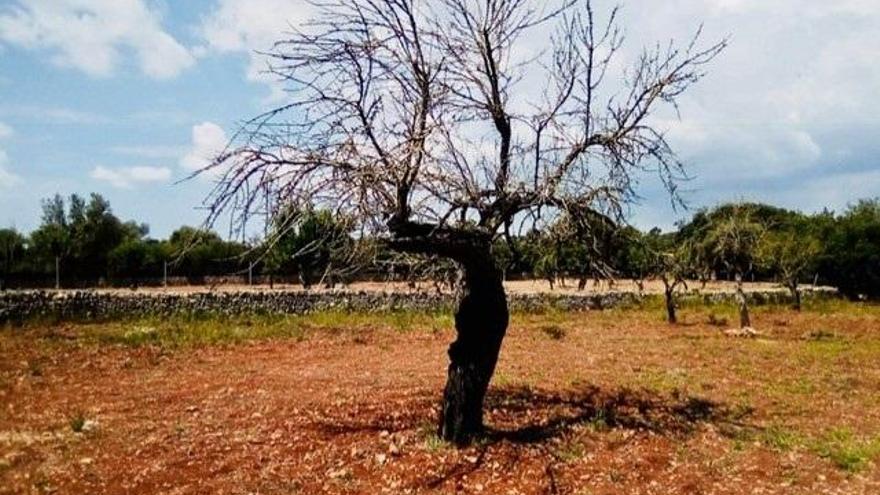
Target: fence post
x: 165, y: 274
x: 57, y: 272
x: 251, y: 273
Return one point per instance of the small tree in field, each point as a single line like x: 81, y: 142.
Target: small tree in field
x: 791, y: 255
x: 668, y: 262
x: 581, y: 249
x: 415, y: 120
x: 311, y: 243
x: 733, y: 241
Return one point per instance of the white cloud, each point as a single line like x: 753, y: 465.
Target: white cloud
x: 7, y: 178
x: 252, y: 26
x: 127, y: 177
x: 797, y: 79
x: 208, y: 140
x: 93, y: 35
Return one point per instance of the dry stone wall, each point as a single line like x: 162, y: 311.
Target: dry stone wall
x: 20, y: 306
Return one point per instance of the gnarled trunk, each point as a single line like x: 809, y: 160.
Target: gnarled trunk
x: 795, y: 295
x: 669, y: 292
x: 744, y: 318
x: 481, y: 322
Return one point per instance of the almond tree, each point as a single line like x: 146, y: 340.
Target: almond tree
x: 419, y: 121
x: 791, y: 255
x: 669, y: 262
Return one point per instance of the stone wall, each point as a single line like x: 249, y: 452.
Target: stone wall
x: 20, y: 306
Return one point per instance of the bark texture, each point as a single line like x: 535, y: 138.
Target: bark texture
x: 795, y: 296
x: 670, y: 306
x: 744, y: 319
x: 480, y: 321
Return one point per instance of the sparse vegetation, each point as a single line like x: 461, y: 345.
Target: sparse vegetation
x: 620, y: 378
x: 847, y: 450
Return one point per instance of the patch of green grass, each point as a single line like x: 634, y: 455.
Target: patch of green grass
x: 838, y: 305
x: 846, y: 450
x: 433, y: 443
x: 821, y: 335
x: 185, y: 331
x: 781, y: 439
x: 826, y: 350
x: 663, y: 380
x: 598, y: 422
x: 570, y: 451
x: 839, y: 445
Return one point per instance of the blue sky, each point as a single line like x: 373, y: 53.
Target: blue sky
x: 126, y: 97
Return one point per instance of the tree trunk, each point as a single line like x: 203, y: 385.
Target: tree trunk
x: 795, y: 295
x: 480, y: 322
x: 744, y: 319
x: 670, y: 306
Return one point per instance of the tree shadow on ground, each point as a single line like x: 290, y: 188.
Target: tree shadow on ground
x: 552, y: 414
x: 522, y: 418
x: 522, y: 414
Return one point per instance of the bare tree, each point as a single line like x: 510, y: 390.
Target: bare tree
x: 418, y: 120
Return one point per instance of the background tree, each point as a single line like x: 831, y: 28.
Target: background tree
x: 733, y: 239
x: 12, y: 254
x: 416, y: 121
x: 51, y: 242
x: 198, y: 253
x: 669, y: 262
x: 850, y: 259
x: 791, y: 255
x: 311, y: 243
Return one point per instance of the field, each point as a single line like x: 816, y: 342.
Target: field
x: 610, y: 402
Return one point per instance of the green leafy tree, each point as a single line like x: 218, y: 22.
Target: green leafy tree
x: 732, y: 240
x: 791, y: 255
x: 668, y: 261
x: 51, y: 242
x: 314, y: 244
x: 850, y: 259
x: 197, y: 253
x: 12, y: 253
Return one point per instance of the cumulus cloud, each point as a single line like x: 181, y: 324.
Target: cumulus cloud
x: 251, y: 26
x: 787, y: 108
x: 93, y: 35
x: 208, y: 140
x: 784, y: 112
x: 128, y: 177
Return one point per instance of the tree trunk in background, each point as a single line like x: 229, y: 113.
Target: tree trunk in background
x: 480, y: 322
x: 670, y: 305
x: 744, y: 319
x: 795, y: 295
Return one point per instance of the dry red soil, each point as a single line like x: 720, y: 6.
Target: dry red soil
x: 591, y: 403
